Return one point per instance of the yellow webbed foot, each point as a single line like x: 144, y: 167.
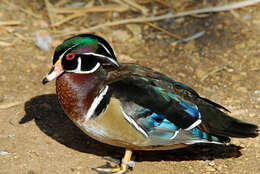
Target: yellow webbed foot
x: 119, y: 169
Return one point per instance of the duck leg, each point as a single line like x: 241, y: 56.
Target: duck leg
x: 122, y: 168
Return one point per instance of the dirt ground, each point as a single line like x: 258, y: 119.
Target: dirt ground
x: 223, y: 65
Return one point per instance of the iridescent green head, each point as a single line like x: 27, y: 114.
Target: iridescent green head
x: 82, y: 54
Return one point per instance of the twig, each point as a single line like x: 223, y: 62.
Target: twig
x: 163, y: 3
x: 5, y: 44
x: 103, y: 8
x: 136, y: 6
x: 10, y: 30
x: 67, y: 19
x: 23, y: 10
x: 193, y: 37
x: 166, y: 16
x: 120, y: 2
x: 9, y: 105
x: 6, y: 23
x: 217, y: 69
x: 101, y: 2
x: 61, y: 3
x: 164, y: 31
x: 50, y: 10
x: 21, y: 37
x: 90, y: 3
x: 29, y: 12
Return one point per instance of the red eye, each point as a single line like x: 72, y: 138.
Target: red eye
x: 70, y: 56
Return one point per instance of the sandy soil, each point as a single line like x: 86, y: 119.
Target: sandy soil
x: 222, y: 65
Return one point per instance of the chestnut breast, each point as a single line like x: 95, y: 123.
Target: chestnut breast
x: 76, y: 92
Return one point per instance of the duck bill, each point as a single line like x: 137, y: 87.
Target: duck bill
x: 55, y: 72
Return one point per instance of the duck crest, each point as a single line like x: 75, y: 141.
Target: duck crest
x: 77, y: 92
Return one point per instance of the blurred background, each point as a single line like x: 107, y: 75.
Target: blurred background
x: 212, y: 46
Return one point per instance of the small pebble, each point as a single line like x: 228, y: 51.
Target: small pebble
x: 115, y: 14
x: 11, y: 136
x: 212, y: 169
x: 212, y: 163
x: 247, y: 16
x: 230, y: 70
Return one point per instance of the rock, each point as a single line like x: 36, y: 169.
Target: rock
x: 212, y: 163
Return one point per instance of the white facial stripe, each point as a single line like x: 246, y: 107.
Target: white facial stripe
x: 100, y: 55
x: 61, y: 56
x: 105, y: 48
x: 94, y: 69
x: 95, y: 103
x: 132, y: 121
x: 79, y: 71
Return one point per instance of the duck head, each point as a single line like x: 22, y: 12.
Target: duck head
x: 82, y: 54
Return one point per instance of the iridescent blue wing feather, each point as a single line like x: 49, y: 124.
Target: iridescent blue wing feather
x: 177, y: 102
x: 163, y: 132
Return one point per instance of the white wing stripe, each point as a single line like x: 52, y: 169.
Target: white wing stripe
x: 196, y: 123
x: 132, y: 121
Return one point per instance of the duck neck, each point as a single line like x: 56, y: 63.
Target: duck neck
x: 77, y: 92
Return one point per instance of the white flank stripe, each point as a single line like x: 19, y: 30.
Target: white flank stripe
x: 95, y: 103
x: 131, y: 121
x: 175, y: 134
x: 202, y: 141
x: 105, y: 48
x: 196, y: 123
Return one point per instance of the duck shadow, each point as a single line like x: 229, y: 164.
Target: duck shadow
x: 50, y: 118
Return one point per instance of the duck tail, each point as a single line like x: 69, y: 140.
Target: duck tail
x: 220, y: 123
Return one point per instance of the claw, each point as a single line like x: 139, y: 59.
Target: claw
x: 120, y: 169
x: 112, y: 160
x: 131, y: 164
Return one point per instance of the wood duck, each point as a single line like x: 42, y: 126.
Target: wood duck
x: 134, y: 107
